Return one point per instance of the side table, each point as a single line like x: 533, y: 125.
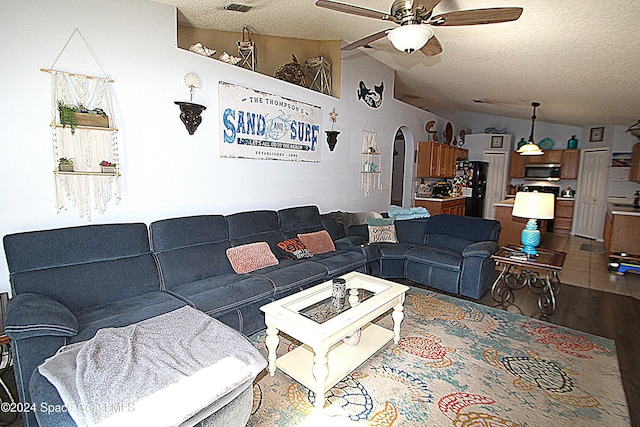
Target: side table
x: 520, y: 270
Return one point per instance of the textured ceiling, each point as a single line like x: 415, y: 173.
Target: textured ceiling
x: 579, y: 58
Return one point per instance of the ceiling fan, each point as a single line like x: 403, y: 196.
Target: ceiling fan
x: 415, y: 18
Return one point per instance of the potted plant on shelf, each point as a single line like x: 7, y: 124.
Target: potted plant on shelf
x: 107, y: 167
x: 78, y: 115
x: 65, y: 165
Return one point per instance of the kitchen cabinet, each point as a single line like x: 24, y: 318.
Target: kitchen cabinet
x: 634, y: 171
x: 454, y: 206
x: 569, y: 159
x: 570, y: 164
x: 516, y: 165
x: 563, y: 218
x: 512, y: 226
x: 437, y: 160
x: 622, y: 231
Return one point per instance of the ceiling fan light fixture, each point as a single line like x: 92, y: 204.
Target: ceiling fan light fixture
x: 411, y: 37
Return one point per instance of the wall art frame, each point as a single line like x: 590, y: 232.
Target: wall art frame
x: 596, y: 134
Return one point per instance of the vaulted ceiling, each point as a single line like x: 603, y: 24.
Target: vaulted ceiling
x: 579, y: 58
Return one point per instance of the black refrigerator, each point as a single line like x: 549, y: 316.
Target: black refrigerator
x: 472, y: 177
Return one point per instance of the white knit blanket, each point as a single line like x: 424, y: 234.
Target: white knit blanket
x: 158, y: 372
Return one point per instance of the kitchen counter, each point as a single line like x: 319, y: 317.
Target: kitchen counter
x: 622, y: 206
x: 450, y: 205
x: 438, y: 199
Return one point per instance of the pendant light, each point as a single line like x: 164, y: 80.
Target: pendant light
x: 530, y: 148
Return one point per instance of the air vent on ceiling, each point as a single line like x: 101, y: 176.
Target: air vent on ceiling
x: 238, y: 7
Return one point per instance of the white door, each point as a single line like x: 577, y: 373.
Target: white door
x: 591, y: 196
x: 496, y: 181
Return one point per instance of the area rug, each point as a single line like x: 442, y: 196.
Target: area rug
x: 459, y: 363
x: 599, y: 249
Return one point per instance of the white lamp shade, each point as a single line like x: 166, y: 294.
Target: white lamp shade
x: 534, y: 205
x: 411, y: 37
x: 530, y: 149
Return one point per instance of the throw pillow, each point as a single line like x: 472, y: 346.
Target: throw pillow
x: 293, y: 249
x: 382, y: 230
x: 250, y: 257
x: 318, y: 242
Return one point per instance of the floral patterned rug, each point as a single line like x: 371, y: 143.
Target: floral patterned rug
x: 460, y: 364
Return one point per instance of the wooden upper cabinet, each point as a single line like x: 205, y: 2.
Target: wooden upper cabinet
x: 424, y: 159
x: 462, y: 154
x: 516, y: 165
x: 552, y: 156
x: 569, y: 159
x: 437, y: 160
x: 634, y: 171
x: 570, y: 164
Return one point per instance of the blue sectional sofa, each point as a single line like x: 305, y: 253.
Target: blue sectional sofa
x: 68, y: 283
x: 450, y: 253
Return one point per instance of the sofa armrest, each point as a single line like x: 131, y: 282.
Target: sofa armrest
x: 32, y: 315
x: 480, y: 249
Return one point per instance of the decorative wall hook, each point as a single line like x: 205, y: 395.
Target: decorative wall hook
x: 190, y: 113
x: 332, y: 135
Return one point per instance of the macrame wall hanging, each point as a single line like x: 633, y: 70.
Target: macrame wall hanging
x: 88, y: 146
x: 371, y: 159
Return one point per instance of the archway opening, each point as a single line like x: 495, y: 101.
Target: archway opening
x: 397, y: 174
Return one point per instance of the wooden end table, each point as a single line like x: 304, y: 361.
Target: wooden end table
x: 520, y: 270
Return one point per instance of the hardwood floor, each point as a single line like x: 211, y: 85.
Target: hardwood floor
x: 595, y: 300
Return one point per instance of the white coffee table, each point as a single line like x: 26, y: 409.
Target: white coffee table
x: 324, y: 359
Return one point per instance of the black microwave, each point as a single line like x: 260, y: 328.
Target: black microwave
x: 542, y: 172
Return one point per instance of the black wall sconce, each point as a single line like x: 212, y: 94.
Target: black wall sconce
x: 332, y: 135
x: 190, y: 113
x: 332, y: 138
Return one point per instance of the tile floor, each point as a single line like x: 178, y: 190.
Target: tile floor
x: 588, y: 269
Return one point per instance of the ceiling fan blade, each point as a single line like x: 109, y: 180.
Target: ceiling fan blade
x: 477, y: 16
x: 426, y: 6
x: 432, y: 48
x: 354, y: 10
x: 365, y: 41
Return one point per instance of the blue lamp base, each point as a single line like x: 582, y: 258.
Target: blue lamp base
x: 530, y: 238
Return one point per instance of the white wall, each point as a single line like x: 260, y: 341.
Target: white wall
x: 165, y: 171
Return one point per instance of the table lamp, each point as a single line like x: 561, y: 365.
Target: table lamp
x: 533, y: 205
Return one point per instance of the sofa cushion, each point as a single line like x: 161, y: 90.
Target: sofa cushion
x: 293, y: 274
x: 340, y: 262
x: 301, y: 219
x: 176, y: 233
x: 250, y: 257
x: 294, y: 249
x: 412, y: 230
x: 381, y: 230
x: 393, y: 250
x: 105, y: 263
x: 191, y: 248
x: 456, y: 232
x: 437, y: 257
x: 124, y: 312
x: 318, y: 242
x: 219, y: 294
x: 255, y: 226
